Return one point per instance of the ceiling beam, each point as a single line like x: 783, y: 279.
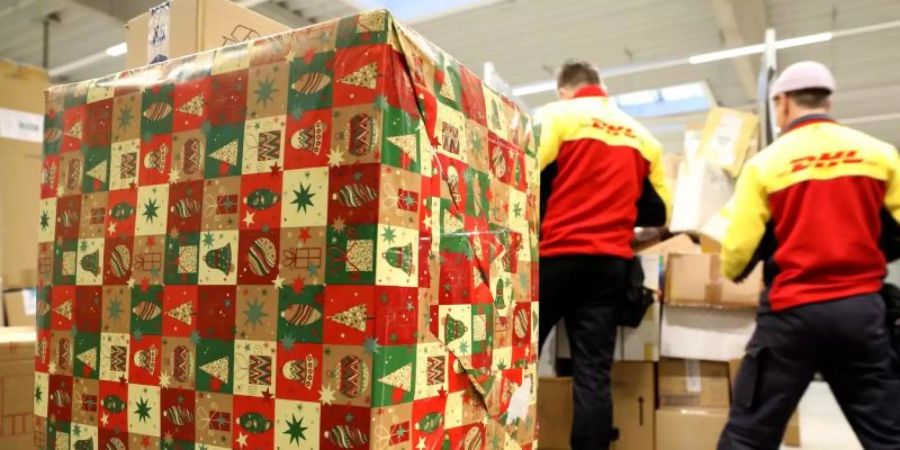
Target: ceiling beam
x: 119, y: 10
x: 742, y: 22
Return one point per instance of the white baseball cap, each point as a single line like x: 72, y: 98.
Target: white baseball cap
x: 803, y: 75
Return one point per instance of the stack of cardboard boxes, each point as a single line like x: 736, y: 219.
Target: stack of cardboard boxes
x: 673, y: 375
x: 196, y: 25
x: 21, y: 132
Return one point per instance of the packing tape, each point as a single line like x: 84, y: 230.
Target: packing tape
x: 714, y: 287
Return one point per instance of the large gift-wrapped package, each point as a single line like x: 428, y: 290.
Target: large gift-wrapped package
x: 321, y: 239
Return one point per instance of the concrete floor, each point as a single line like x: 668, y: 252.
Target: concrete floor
x: 822, y: 424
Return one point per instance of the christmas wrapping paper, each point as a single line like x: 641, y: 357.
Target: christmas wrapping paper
x: 321, y: 239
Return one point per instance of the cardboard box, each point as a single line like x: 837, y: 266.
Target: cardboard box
x: 555, y: 412
x: 696, y: 280
x: 21, y: 307
x: 727, y: 138
x: 633, y: 391
x: 17, y: 391
x: 703, y: 333
x: 195, y: 26
x: 792, y: 432
x: 693, y: 383
x: 257, y: 126
x: 633, y: 388
x: 21, y: 133
x: 689, y: 428
x: 702, y: 189
x: 680, y: 243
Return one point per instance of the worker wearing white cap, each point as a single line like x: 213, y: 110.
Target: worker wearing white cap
x: 813, y: 207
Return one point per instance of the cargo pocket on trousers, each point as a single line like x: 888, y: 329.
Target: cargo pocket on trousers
x: 747, y: 379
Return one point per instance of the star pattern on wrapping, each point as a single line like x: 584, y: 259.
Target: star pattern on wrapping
x: 296, y: 431
x: 265, y: 91
x: 303, y: 197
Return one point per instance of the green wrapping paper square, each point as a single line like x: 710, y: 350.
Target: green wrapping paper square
x: 321, y: 239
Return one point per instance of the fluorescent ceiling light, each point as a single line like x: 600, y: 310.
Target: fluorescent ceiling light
x: 759, y: 48
x: 547, y: 86
x: 534, y: 88
x: 251, y: 3
x: 727, y: 54
x: 804, y: 40
x: 117, y: 50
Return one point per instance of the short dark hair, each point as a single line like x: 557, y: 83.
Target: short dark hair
x: 575, y: 73
x: 810, y: 98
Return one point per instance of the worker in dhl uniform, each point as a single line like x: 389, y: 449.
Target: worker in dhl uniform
x: 811, y: 207
x: 600, y: 176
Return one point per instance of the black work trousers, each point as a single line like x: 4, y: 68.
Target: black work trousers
x: 585, y: 291
x: 848, y: 342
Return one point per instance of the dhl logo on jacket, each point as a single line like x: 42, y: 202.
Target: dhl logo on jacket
x: 600, y: 176
x: 813, y: 207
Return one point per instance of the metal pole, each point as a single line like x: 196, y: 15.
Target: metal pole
x: 45, y: 58
x: 48, y: 19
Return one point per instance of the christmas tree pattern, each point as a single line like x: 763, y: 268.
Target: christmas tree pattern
x: 407, y: 144
x: 400, y: 378
x: 228, y: 153
x: 89, y: 358
x: 447, y: 90
x: 65, y: 309
x: 98, y: 172
x: 354, y: 317
x: 182, y: 313
x: 75, y: 131
x: 366, y: 76
x: 217, y: 369
x: 194, y: 106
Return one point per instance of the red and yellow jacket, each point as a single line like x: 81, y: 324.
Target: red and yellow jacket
x: 814, y: 207
x: 601, y: 176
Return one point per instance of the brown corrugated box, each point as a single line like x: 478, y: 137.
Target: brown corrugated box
x: 20, y: 171
x: 692, y: 383
x: 20, y: 307
x: 696, y: 280
x: 689, y: 428
x: 633, y: 387
x: 681, y: 243
x: 197, y: 25
x: 633, y: 390
x: 555, y: 410
x: 16, y: 387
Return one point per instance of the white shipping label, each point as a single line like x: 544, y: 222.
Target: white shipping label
x: 725, y: 139
x: 158, y: 33
x: 692, y: 376
x: 21, y: 125
x: 29, y: 298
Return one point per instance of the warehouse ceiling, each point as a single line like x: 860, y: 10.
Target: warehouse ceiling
x: 640, y: 44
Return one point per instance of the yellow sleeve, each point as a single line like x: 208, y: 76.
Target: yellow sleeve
x: 551, y: 137
x: 892, y: 196
x: 747, y: 215
x: 657, y: 177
